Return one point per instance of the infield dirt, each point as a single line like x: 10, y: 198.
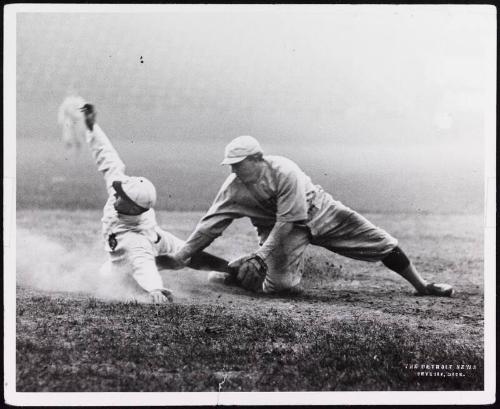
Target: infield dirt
x: 357, y: 326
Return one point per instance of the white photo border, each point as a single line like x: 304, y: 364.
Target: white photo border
x: 240, y: 398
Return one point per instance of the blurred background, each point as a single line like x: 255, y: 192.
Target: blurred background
x: 382, y: 106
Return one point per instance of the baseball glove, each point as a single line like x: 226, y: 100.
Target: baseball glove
x: 251, y: 271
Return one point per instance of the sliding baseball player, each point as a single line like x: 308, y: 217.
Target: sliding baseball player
x: 136, y: 245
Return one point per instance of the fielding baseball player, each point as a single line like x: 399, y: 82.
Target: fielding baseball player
x: 135, y: 243
x: 289, y: 213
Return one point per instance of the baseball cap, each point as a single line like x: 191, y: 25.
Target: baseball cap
x: 239, y: 148
x: 138, y: 190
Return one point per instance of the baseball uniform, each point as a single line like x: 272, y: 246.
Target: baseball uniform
x: 132, y: 242
x: 284, y: 193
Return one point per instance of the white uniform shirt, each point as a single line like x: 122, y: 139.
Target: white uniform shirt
x: 132, y: 242
x: 283, y: 193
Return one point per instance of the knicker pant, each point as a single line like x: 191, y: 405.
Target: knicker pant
x: 357, y: 238
x: 285, y: 265
x: 353, y: 236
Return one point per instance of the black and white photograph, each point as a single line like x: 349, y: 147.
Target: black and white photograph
x: 249, y: 204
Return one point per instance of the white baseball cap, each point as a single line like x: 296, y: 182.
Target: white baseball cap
x: 239, y: 148
x: 139, y: 190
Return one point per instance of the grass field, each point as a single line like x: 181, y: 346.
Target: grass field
x: 356, y: 327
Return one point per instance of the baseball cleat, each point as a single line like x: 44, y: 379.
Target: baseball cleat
x: 438, y: 290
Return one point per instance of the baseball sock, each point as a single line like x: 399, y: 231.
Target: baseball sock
x: 398, y: 262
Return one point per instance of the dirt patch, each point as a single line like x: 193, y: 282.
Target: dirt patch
x: 356, y: 326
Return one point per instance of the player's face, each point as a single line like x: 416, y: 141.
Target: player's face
x: 124, y: 207
x: 247, y: 170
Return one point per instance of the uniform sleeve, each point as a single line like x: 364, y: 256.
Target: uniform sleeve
x: 222, y: 212
x: 105, y: 156
x: 144, y: 269
x: 291, y: 196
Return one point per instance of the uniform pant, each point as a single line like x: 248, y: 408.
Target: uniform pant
x: 132, y: 261
x: 350, y: 235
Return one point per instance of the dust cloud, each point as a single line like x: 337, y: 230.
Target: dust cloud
x: 46, y: 265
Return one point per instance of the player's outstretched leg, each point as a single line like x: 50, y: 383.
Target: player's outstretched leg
x: 397, y: 261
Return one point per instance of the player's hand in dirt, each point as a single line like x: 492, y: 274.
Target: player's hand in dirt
x: 252, y: 271
x: 90, y: 115
x: 161, y: 296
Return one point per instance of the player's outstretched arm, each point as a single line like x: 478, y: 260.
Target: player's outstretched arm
x: 106, y: 157
x: 208, y: 229
x: 145, y: 273
x: 275, y: 239
x: 196, y: 242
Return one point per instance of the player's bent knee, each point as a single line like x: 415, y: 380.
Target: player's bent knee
x: 396, y: 260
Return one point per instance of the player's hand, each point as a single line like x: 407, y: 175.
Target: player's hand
x: 252, y: 271
x: 90, y: 115
x: 161, y: 296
